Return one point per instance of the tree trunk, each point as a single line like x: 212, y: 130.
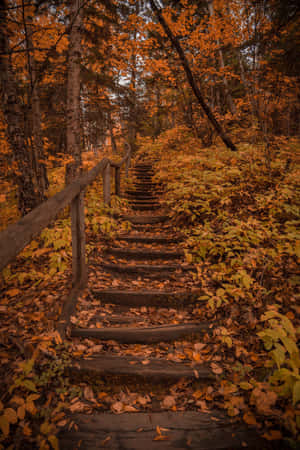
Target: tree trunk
x: 13, y: 114
x: 73, y: 93
x: 229, y: 98
x: 111, y: 132
x: 36, y: 131
x: 227, y: 141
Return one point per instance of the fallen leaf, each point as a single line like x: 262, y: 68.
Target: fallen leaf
x: 13, y: 292
x: 89, y: 394
x: 105, y: 441
x: 263, y: 400
x: 76, y: 407
x: 11, y: 415
x: 168, y: 402
x: 216, y: 369
x: 273, y: 435
x: 161, y: 437
x: 117, y: 407
x: 249, y: 418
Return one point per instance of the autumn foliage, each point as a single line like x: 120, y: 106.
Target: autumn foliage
x: 238, y: 211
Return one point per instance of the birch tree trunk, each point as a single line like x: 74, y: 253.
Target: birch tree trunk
x: 73, y: 93
x: 13, y: 115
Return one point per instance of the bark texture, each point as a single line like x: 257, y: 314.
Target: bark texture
x: 13, y: 114
x: 73, y: 93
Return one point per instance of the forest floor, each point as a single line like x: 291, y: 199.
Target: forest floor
x: 229, y: 244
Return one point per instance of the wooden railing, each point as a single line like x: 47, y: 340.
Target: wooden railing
x: 15, y: 237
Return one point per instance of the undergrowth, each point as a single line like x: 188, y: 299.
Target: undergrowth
x: 240, y: 214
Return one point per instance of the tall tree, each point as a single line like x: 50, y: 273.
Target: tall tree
x: 73, y: 92
x: 13, y: 114
x: 176, y: 44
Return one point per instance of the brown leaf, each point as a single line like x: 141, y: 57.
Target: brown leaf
x: 89, y: 394
x: 77, y: 407
x: 263, y: 400
x: 11, y: 415
x: 273, y: 435
x: 117, y: 407
x: 249, y: 418
x: 105, y: 441
x: 21, y: 412
x: 161, y: 437
x: 168, y: 402
x: 216, y: 369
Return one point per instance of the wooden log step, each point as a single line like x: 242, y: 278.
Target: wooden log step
x: 143, y: 169
x: 143, y: 174
x: 144, y: 269
x: 184, y: 430
x: 144, y: 201
x: 147, y: 335
x: 145, y: 207
x: 149, y: 239
x: 145, y: 220
x: 142, y: 196
x: 145, y: 185
x: 133, y: 366
x: 144, y: 253
x: 144, y: 166
x: 145, y: 298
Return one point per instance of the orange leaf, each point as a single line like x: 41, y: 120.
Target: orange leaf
x: 273, y: 435
x: 249, y: 418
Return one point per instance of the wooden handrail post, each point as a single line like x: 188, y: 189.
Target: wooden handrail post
x: 106, y: 185
x: 127, y: 165
x: 118, y: 181
x: 79, y: 267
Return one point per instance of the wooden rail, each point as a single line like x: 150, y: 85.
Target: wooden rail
x: 15, y: 237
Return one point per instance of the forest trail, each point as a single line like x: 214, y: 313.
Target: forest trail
x: 141, y: 324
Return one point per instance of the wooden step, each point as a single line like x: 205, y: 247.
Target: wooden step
x: 139, y: 335
x: 144, y: 185
x: 145, y: 269
x: 145, y: 206
x: 183, y: 430
x: 142, y: 197
x: 144, y: 253
x: 145, y: 220
x: 143, y: 194
x: 149, y: 239
x: 146, y: 298
x: 132, y: 366
x: 144, y: 201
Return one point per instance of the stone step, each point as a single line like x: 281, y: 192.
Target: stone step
x: 144, y: 253
x: 146, y: 297
x: 180, y: 430
x: 139, y: 335
x: 158, y: 368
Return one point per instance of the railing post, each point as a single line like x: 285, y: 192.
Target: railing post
x: 127, y: 164
x: 79, y: 267
x: 106, y: 185
x: 117, y: 181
